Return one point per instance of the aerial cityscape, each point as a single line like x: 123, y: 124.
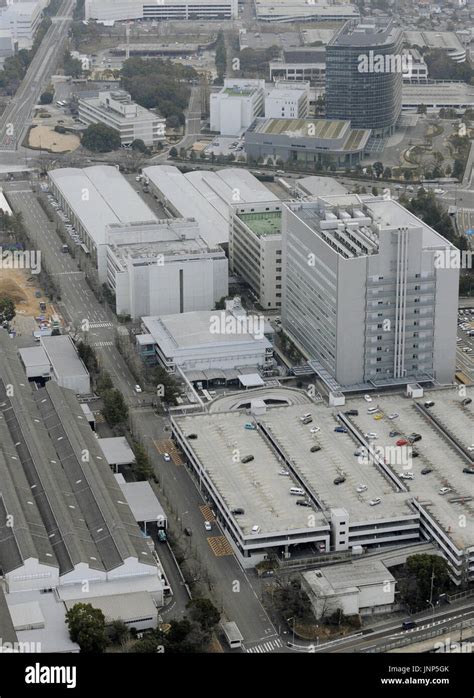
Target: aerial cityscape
x: 237, y: 329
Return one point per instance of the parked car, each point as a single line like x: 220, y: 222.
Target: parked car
x: 208, y: 525
x: 285, y: 473
x: 340, y: 430
x: 339, y: 480
x: 429, y: 403
x: 352, y: 413
x: 406, y: 476
x: 314, y: 430
x: 315, y: 448
x: 166, y: 456
x: 468, y: 471
x: 445, y: 490
x: 247, y: 459
x: 250, y: 426
x: 367, y: 398
x: 238, y: 511
x: 401, y: 442
x: 466, y: 401
x: 414, y: 437
x: 375, y: 501
x: 361, y: 488
x: 394, y: 415
x: 394, y: 433
x: 408, y: 625
x: 426, y: 471
x: 303, y: 502
x: 192, y: 436
x: 138, y: 389
x: 371, y: 435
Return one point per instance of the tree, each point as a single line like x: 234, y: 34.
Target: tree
x: 421, y: 109
x: 166, y: 386
x: 204, y: 612
x: 101, y: 138
x: 119, y: 632
x: 7, y: 309
x: 115, y: 410
x: 87, y: 627
x: 426, y: 578
x: 139, y: 145
x: 46, y: 97
x: 375, y: 191
x: 142, y: 467
x: 387, y: 173
x: 104, y: 383
x: 378, y: 168
x: 173, y: 152
x: 72, y: 66
x: 407, y: 174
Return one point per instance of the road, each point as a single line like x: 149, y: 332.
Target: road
x: 16, y: 117
x: 232, y: 589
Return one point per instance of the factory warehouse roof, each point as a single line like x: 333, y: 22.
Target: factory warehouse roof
x: 116, y: 450
x: 100, y: 196
x: 206, y: 196
x: 142, y: 501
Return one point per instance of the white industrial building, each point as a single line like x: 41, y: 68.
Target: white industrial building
x: 236, y: 105
x: 206, y: 196
x: 287, y: 100
x: 367, y: 270
x: 118, y: 111
x: 95, y: 199
x: 21, y: 19
x: 164, y: 268
x: 7, y: 44
x: 255, y: 249
x: 204, y: 340
x: 35, y: 362
x: 362, y: 587
x: 67, y: 369
x: 125, y: 10
x: 303, y: 11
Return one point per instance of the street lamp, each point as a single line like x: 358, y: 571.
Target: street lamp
x: 433, y: 607
x: 293, y: 626
x: 180, y: 518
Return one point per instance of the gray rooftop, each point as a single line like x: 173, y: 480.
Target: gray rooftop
x: 370, y: 31
x: 350, y: 574
x: 62, y: 354
x: 117, y: 450
x: 33, y: 356
x: 100, y: 196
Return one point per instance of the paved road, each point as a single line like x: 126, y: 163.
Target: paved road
x: 16, y: 117
x: 231, y: 587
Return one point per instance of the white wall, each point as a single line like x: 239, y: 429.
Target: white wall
x: 32, y: 575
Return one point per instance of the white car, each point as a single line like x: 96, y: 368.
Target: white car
x: 438, y: 191
x: 470, y: 448
x: 406, y: 476
x: 314, y: 430
x: 445, y: 490
x: 285, y: 473
x: 208, y: 525
x: 361, y: 488
x: 138, y: 389
x: 371, y: 435
x: 166, y: 456
x: 367, y: 398
x: 375, y: 501
x: 393, y: 416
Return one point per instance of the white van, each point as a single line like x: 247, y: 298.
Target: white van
x: 305, y: 416
x: 297, y: 490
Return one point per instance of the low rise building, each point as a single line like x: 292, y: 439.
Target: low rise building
x: 22, y: 20
x: 170, y: 270
x: 302, y: 11
x: 118, y: 111
x: 126, y: 10
x: 299, y: 64
x: 309, y: 141
x: 287, y: 100
x: 236, y: 105
x: 363, y: 587
x: 67, y: 369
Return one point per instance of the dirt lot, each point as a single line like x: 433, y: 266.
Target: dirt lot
x: 48, y: 139
x: 14, y: 284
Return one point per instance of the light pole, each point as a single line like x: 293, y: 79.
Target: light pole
x: 293, y: 627
x: 180, y: 518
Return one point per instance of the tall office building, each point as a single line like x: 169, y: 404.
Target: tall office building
x: 369, y: 291
x: 364, y: 74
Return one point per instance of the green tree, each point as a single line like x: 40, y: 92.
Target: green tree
x: 119, y: 632
x: 72, y: 66
x: 87, y: 627
x: 7, y: 309
x: 115, y: 410
x: 426, y: 578
x: 139, y: 145
x: 46, y: 97
x: 104, y: 382
x: 387, y: 173
x: 173, y: 152
x: 378, y: 168
x: 101, y: 138
x: 142, y: 467
x: 421, y: 109
x: 204, y: 612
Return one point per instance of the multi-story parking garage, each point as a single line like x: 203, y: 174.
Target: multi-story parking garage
x: 373, y: 506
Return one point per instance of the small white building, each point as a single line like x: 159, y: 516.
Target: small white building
x: 22, y: 19
x: 171, y: 270
x: 209, y: 340
x: 363, y: 587
x: 117, y: 110
x: 7, y: 44
x: 36, y: 362
x: 67, y: 369
x: 287, y: 100
x: 236, y: 105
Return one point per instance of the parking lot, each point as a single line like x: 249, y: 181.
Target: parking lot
x: 465, y: 343
x: 226, y: 145
x: 70, y: 229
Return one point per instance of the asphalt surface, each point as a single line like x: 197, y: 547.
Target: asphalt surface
x: 16, y: 116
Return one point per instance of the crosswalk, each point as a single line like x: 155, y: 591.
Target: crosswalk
x: 96, y: 325
x: 220, y: 546
x: 206, y: 511
x: 102, y: 344
x: 269, y: 646
x: 168, y: 446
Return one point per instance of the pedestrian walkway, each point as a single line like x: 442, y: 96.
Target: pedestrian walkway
x: 96, y: 325
x: 206, y: 511
x: 102, y: 344
x: 269, y: 646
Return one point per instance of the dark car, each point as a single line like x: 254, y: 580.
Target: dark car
x: 339, y: 480
x: 429, y: 403
x: 414, y: 437
x: 247, y: 459
x: 394, y: 433
x: 352, y: 413
x: 340, y: 430
x: 468, y: 471
x: 315, y: 448
x: 303, y: 502
x: 414, y: 453
x: 238, y: 511
x: 467, y: 401
x: 426, y: 471
x: 188, y: 532
x: 408, y: 624
x: 192, y: 436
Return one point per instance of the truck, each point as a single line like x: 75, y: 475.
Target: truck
x: 232, y: 634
